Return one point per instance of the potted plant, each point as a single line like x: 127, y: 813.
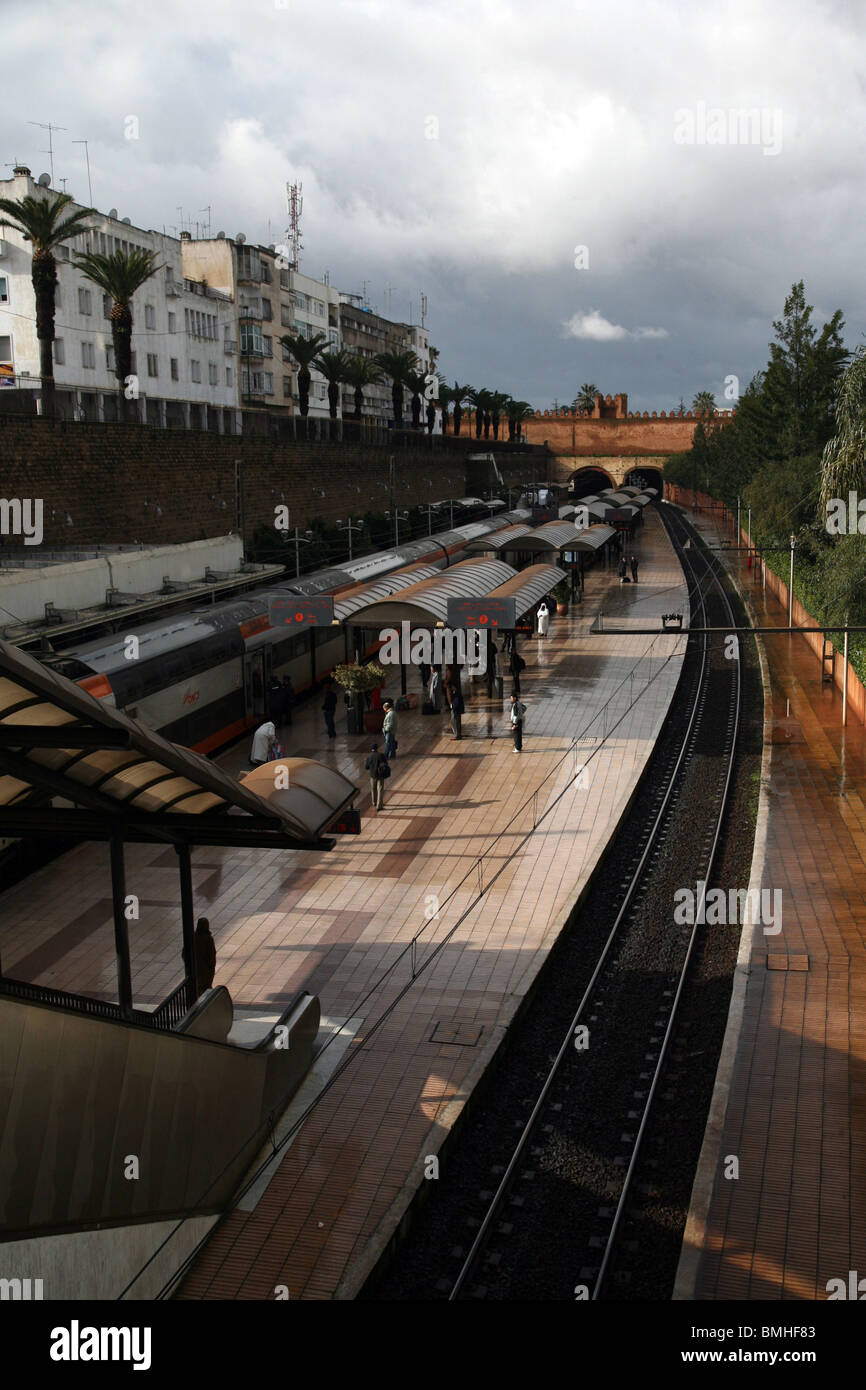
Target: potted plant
x: 358, y: 680
x: 560, y: 594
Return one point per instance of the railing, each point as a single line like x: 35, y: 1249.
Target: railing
x: 172, y: 1009
x: 163, y: 1018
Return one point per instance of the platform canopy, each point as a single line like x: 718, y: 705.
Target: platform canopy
x: 600, y: 509
x: 426, y: 604
x: 592, y: 539
x: 617, y: 498
x: 553, y: 535
x: 530, y: 586
x: 57, y: 741
x: 585, y: 501
x: 506, y: 539
x: 348, y: 603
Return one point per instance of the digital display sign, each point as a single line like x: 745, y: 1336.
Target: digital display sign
x: 292, y: 610
x: 482, y: 612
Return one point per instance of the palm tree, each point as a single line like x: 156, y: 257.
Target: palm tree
x: 361, y: 372
x: 333, y: 367
x: 704, y: 403
x: 304, y: 351
x: 416, y: 381
x: 459, y: 395
x: 842, y: 463
x: 119, y: 276
x: 480, y: 398
x: 518, y: 411
x: 445, y: 398
x: 43, y: 223
x: 397, y: 365
x: 585, y: 398
x: 497, y: 403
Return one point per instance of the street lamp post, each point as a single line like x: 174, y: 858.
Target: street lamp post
x: 791, y: 583
x: 299, y: 541
x: 398, y: 517
x: 350, y: 529
x: 749, y: 541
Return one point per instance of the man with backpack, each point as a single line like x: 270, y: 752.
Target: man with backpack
x: 516, y: 715
x: 389, y: 729
x: 378, y: 768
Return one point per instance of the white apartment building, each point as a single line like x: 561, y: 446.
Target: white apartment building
x: 270, y: 301
x: 184, y: 337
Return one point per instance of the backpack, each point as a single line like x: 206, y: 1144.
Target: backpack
x: 520, y: 664
x: 383, y: 768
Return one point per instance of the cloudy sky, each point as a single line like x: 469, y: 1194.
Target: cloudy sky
x: 619, y: 193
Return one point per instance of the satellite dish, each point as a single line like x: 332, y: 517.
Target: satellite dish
x: 221, y: 236
x: 112, y: 212
x: 44, y: 180
x: 127, y: 221
x: 240, y: 238
x: 272, y: 246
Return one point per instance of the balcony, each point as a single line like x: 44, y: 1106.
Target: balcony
x: 230, y: 345
x: 250, y: 311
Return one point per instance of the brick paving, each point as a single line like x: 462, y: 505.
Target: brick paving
x: 796, y: 1113
x: 335, y: 923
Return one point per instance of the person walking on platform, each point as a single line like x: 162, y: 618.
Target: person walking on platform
x: 262, y: 749
x: 455, y: 701
x: 275, y: 700
x: 517, y: 665
x: 492, y: 668
x: 543, y: 619
x: 329, y: 705
x: 516, y: 715
x: 633, y: 563
x: 204, y: 957
x: 623, y: 570
x: 288, y: 690
x: 377, y: 766
x: 433, y: 690
x: 389, y: 729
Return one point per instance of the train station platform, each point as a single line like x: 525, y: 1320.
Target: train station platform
x: 421, y: 936
x: 790, y: 1095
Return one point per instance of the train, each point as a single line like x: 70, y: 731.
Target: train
x: 200, y: 677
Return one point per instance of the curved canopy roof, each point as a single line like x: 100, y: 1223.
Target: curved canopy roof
x: 349, y: 603
x: 500, y: 540
x: 553, y: 535
x: 426, y: 604
x: 530, y: 586
x: 307, y: 802
x: 57, y: 740
x: 584, y: 501
x: 601, y: 508
x: 618, y: 498
x: 592, y: 539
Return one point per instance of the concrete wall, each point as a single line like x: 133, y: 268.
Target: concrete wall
x: 82, y: 583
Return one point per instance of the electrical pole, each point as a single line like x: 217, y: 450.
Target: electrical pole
x: 87, y: 160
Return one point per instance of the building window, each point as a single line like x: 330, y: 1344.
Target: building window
x: 212, y: 373
x: 287, y: 386
x: 251, y: 338
x: 109, y: 359
x: 106, y: 306
x: 59, y: 351
x: 284, y: 279
x: 268, y: 346
x: 88, y: 355
x: 6, y: 348
x: 269, y: 383
x: 195, y: 370
x: 172, y: 321
x: 4, y: 290
x: 133, y: 358
x: 266, y: 273
x: 175, y: 375
x: 228, y: 376
x: 267, y: 312
x: 286, y: 317
x: 186, y: 319
x: 152, y: 364
x: 84, y: 301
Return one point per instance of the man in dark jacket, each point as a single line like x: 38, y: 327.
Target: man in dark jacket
x: 378, y: 768
x: 455, y: 700
x: 204, y: 957
x: 517, y: 664
x: 633, y: 563
x: 329, y: 705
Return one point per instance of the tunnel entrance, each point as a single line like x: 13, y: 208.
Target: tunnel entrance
x: 587, y: 482
x: 646, y: 477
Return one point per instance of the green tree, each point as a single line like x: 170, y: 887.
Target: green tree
x: 585, y: 398
x: 119, y: 276
x: 416, y: 381
x: 498, y: 403
x: 397, y: 366
x: 361, y: 372
x: 518, y: 411
x: 304, y: 351
x: 704, y: 403
x: 44, y: 224
x: 460, y: 395
x: 333, y: 366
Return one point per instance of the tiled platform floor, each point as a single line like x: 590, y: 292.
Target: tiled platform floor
x: 796, y: 1116
x: 335, y: 924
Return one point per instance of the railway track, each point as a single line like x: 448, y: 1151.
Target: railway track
x: 616, y: 1046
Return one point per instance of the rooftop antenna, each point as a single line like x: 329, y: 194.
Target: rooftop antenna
x: 208, y: 210
x: 64, y: 182
x: 388, y: 290
x: 295, y: 204
x: 180, y: 210
x: 423, y: 307
x: 47, y: 125
x: 87, y: 158
x: 364, y: 284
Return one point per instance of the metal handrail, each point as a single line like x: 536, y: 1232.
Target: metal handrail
x: 163, y: 1018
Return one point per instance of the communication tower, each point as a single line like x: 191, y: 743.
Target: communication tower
x: 295, y: 204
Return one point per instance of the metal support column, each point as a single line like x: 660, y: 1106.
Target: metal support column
x: 187, y: 915
x: 121, y: 925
